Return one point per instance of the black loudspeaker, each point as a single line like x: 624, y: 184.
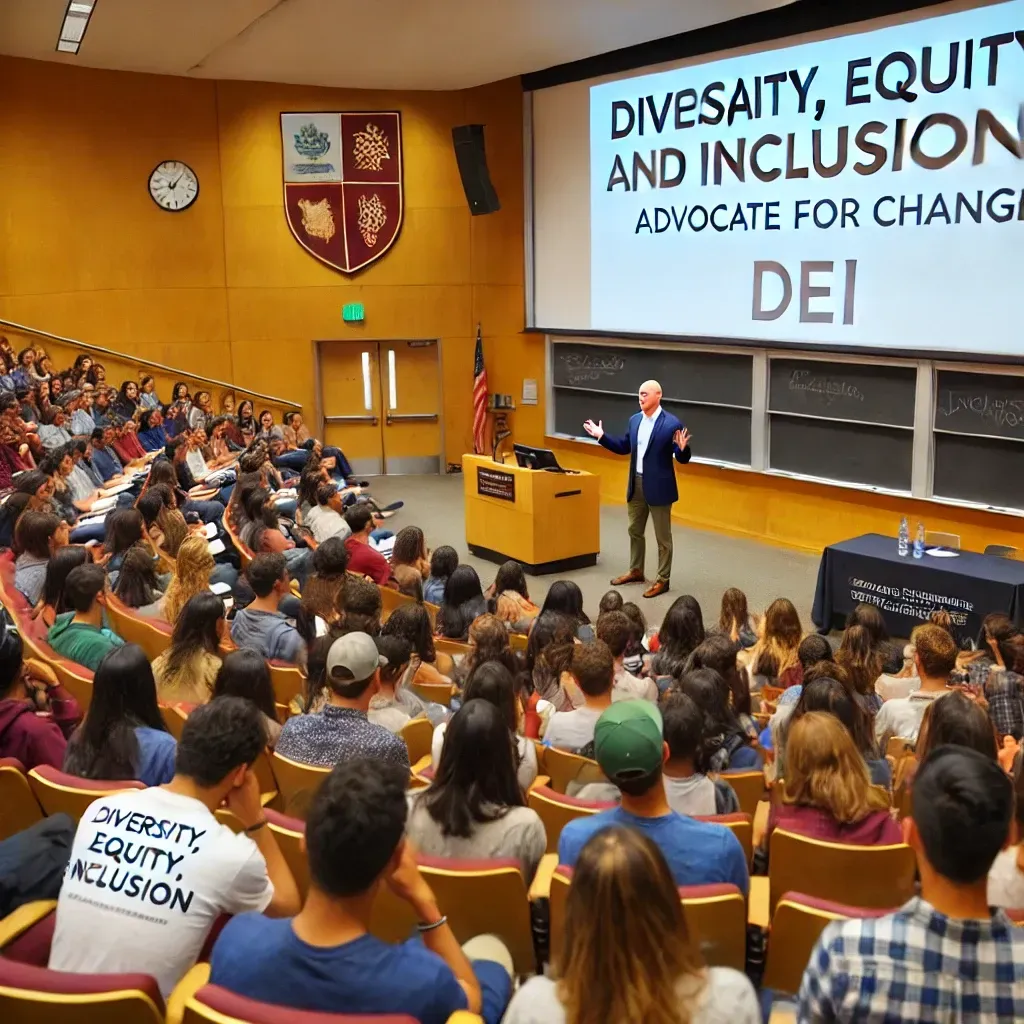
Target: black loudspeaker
x: 472, y: 160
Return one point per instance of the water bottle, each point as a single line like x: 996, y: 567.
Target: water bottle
x: 919, y: 541
x: 904, y: 543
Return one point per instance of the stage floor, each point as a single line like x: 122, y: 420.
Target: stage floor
x: 704, y: 563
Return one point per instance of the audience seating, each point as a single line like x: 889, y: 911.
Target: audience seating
x: 432, y: 610
x: 392, y: 599
x: 452, y: 647
x: 564, y: 769
x: 57, y: 791
x: 437, y: 693
x: 288, y: 681
x: 518, y: 641
x: 244, y: 553
x: 742, y: 827
x: 19, y: 809
x: 174, y: 718
x: 556, y: 810
x: 716, y: 916
x: 861, y: 876
x: 749, y: 787
x: 297, y: 784
x: 289, y: 832
x: 26, y: 934
x: 796, y: 924
x: 75, y: 678
x: 264, y: 771
x: 417, y: 733
x: 152, y: 635
x: 33, y: 995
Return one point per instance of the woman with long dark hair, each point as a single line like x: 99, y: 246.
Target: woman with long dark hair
x: 548, y: 657
x: 125, y: 529
x: 123, y: 735
x: 127, y: 400
x: 412, y: 621
x: 726, y: 743
x: 775, y: 655
x: 246, y: 421
x: 475, y: 807
x: 185, y: 672
x: 565, y: 598
x: 682, y: 630
x: 322, y: 594
x: 510, y: 598
x: 463, y: 601
x: 138, y: 586
x: 411, y: 549
x: 647, y: 967
x: 244, y: 673
x: 863, y: 665
x: 52, y: 601
x: 718, y: 652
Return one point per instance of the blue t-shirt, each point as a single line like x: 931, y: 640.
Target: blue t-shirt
x: 262, y: 958
x: 157, y: 751
x: 698, y: 852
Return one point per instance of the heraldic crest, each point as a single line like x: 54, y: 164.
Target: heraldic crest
x: 343, y: 184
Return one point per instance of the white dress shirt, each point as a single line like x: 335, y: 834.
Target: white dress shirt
x: 643, y: 437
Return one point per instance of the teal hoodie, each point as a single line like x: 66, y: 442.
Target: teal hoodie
x: 78, y: 642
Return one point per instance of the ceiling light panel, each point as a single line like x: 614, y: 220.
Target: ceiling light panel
x: 76, y: 21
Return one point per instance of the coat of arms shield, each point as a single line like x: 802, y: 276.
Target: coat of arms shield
x: 343, y: 184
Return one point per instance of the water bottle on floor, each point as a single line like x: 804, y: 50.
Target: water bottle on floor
x: 904, y: 542
x: 919, y: 541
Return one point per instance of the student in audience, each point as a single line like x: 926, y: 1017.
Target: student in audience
x: 727, y: 743
x: 631, y: 751
x: 322, y: 594
x: 186, y: 671
x: 488, y: 641
x: 411, y: 549
x: 995, y: 629
x: 565, y: 598
x: 123, y: 735
x: 79, y: 635
x: 870, y: 617
x: 647, y: 967
x: 681, y: 631
x: 53, y: 433
x: 35, y: 715
x: 593, y: 670
x: 1006, y: 876
x: 863, y: 664
x: 147, y: 394
x: 718, y: 652
x: 326, y: 957
x: 342, y: 730
x: 491, y: 681
x: 961, y: 955
x: 813, y: 649
x: 412, y: 623
x: 325, y: 519
x: 125, y: 529
x: 549, y: 652
x: 1004, y: 688
x: 361, y: 606
x: 408, y: 581
x: 37, y: 537
x: 394, y: 704
x: 127, y: 400
x: 261, y: 625
x: 268, y: 538
x: 137, y: 586
x: 362, y: 557
x: 510, y: 598
x: 154, y: 911
x: 244, y: 673
x: 53, y: 602
x: 636, y: 651
x: 443, y: 562
x: 104, y: 459
x: 734, y: 619
x: 475, y: 807
x: 463, y: 601
x: 611, y: 602
x: 615, y: 630
x: 935, y: 658
x: 774, y: 656
x: 827, y: 793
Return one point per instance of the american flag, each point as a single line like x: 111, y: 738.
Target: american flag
x: 479, y: 397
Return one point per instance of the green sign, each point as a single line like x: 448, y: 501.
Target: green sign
x: 352, y: 312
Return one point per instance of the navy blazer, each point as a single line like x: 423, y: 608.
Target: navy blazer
x: 659, y: 473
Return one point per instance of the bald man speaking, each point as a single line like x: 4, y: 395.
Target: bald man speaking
x: 654, y: 438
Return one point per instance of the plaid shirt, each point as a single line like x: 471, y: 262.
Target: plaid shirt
x: 1005, y: 694
x: 916, y: 965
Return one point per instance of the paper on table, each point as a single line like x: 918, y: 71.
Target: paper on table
x: 103, y: 504
x: 941, y: 553
x: 220, y: 588
x: 210, y: 529
x: 216, y: 546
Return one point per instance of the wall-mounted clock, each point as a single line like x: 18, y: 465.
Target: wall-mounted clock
x: 173, y: 186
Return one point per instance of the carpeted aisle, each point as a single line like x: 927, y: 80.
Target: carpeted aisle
x: 704, y: 565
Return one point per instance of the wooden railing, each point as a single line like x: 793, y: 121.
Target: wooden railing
x: 120, y: 366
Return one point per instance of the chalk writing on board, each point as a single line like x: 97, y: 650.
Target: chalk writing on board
x: 830, y: 387
x: 579, y: 369
x: 1005, y: 412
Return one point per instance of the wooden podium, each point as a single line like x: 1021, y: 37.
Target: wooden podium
x: 548, y: 521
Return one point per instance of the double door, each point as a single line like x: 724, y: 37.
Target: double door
x: 380, y: 403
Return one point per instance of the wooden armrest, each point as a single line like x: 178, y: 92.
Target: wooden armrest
x: 541, y: 780
x: 193, y: 981
x: 540, y: 888
x: 464, y: 1017
x: 423, y: 763
x: 784, y: 1014
x: 758, y: 904
x: 40, y: 670
x: 760, y: 822
x: 19, y: 921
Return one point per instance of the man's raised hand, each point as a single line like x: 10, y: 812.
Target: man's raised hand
x: 595, y: 430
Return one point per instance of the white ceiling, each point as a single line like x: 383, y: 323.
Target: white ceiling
x: 373, y: 44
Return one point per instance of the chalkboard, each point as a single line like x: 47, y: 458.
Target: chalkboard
x: 698, y: 376
x: 979, y: 469
x: 980, y: 403
x: 843, y: 391
x: 881, y: 456
x: 719, y: 433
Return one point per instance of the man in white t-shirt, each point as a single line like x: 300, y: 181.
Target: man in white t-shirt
x: 324, y: 519
x: 152, y: 869
x: 615, y: 629
x: 593, y: 669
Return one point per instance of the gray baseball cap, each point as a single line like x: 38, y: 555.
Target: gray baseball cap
x: 357, y: 653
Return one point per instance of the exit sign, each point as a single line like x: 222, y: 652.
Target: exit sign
x: 352, y: 312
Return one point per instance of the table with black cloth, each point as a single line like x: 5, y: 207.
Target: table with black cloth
x: 907, y: 590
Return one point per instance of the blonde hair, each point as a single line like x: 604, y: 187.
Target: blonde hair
x: 630, y: 971
x: 824, y: 769
x: 779, y: 643
x: 191, y: 575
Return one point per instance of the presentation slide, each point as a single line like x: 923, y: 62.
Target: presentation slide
x: 866, y: 190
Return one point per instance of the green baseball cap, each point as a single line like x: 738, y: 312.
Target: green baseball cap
x: 628, y: 739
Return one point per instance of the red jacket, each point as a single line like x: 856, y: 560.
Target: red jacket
x: 877, y: 829
x: 29, y: 736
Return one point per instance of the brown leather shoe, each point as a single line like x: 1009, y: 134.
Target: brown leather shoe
x: 633, y: 576
x: 659, y: 587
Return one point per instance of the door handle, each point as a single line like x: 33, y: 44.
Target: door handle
x: 407, y: 417
x: 352, y: 419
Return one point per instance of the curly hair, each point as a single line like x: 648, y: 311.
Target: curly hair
x: 191, y: 576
